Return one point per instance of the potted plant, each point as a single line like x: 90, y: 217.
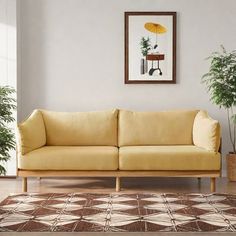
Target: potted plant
x: 221, y: 83
x: 145, y: 48
x: 7, y: 137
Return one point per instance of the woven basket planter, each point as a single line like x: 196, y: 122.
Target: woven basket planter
x: 231, y: 166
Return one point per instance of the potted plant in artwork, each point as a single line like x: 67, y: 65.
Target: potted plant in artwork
x: 145, y: 48
x: 7, y: 137
x: 221, y: 83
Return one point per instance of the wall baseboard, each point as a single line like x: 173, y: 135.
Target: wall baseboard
x: 8, y: 177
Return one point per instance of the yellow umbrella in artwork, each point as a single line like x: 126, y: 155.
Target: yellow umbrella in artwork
x: 156, y: 29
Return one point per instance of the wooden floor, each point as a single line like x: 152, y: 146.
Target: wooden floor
x: 107, y: 185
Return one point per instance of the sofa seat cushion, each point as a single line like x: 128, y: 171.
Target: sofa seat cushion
x: 186, y: 157
x: 70, y: 158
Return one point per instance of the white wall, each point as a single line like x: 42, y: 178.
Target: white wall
x: 72, y: 55
x: 8, y: 58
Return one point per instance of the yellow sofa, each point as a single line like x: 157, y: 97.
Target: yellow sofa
x: 119, y: 143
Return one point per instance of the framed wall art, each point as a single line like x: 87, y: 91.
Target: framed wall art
x: 150, y: 47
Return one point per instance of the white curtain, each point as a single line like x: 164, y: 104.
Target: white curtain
x: 8, y: 57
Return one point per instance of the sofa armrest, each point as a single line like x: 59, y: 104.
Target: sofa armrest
x: 31, y: 133
x: 206, y: 132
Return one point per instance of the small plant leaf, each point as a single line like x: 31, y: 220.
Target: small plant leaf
x: 7, y: 136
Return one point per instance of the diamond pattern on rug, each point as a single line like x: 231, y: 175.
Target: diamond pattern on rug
x: 75, y: 212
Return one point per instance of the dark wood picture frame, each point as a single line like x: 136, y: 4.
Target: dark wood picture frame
x: 171, y: 79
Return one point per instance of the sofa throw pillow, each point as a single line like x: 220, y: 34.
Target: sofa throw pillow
x: 31, y: 133
x: 206, y: 132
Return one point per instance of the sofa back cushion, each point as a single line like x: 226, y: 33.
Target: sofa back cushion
x: 81, y: 128
x: 156, y: 128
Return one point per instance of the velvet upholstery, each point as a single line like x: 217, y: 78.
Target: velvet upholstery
x: 31, y: 133
x: 156, y: 128
x: 206, y: 132
x: 71, y: 158
x: 181, y: 157
x: 119, y: 140
x: 81, y: 128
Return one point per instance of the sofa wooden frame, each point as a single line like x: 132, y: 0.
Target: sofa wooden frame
x: 118, y: 175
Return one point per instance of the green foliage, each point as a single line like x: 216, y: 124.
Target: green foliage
x: 221, y: 84
x: 7, y: 137
x: 145, y: 45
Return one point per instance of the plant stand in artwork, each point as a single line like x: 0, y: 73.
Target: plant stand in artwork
x: 158, y: 58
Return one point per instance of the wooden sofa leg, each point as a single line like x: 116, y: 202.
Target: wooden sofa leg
x: 213, y: 184
x: 24, y: 184
x: 117, y: 184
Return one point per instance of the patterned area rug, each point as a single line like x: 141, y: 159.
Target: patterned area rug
x: 118, y: 213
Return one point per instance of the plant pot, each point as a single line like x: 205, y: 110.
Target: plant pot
x: 231, y: 166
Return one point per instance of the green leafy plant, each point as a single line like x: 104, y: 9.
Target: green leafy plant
x: 7, y: 137
x: 145, y: 45
x: 221, y: 83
